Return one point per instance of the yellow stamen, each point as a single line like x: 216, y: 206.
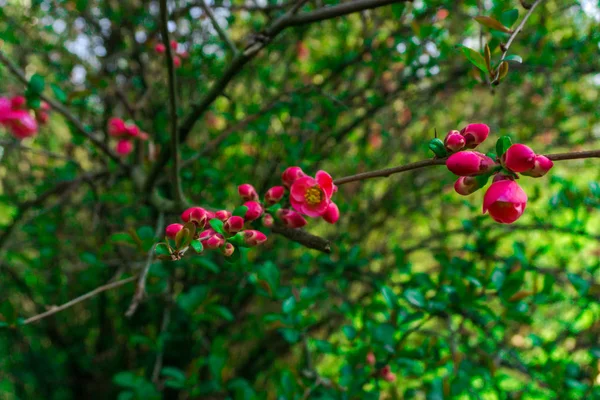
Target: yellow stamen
x: 313, y: 195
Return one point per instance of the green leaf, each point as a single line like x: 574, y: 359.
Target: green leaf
x: 581, y: 285
x: 502, y: 144
x: 508, y: 18
x: 514, y: 58
x: 492, y: 23
x: 223, y: 312
x: 274, y: 208
x: 290, y: 335
x: 183, y: 238
x: 36, y: 84
x: 240, y: 211
x: 217, y: 225
x: 415, y: 297
x: 162, y: 249
x: 349, y: 331
x: 121, y: 237
x: 438, y: 148
x: 289, y: 304
x: 197, y: 246
x: 389, y: 296
x: 474, y: 57
x: 58, y: 93
x: 498, y: 277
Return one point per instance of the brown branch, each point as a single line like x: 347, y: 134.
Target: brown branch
x: 384, y: 173
x: 304, y: 238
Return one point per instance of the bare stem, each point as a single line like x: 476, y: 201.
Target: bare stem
x: 222, y: 34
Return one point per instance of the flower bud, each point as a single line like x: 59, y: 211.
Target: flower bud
x: 290, y: 218
x: 116, y: 127
x: 214, y: 242
x: 247, y: 192
x: 519, y: 158
x: 290, y: 175
x: 268, y: 220
x: 227, y: 249
x: 132, y: 130
x: 387, y: 374
x: 124, y: 147
x: 541, y: 166
x: 465, y: 185
x: 172, y: 230
x: 176, y: 61
x: 505, y: 201
x: 160, y: 48
x: 173, y: 44
x: 206, y: 234
x: 18, y: 103
x: 467, y: 163
x: 274, y: 194
x: 223, y: 215
x: 197, y: 215
x: 454, y: 141
x: 254, y: 238
x: 475, y: 134
x: 371, y: 358
x: 255, y: 210
x: 234, y: 224
x: 332, y: 214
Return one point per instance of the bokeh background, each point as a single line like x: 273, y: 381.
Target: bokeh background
x: 458, y: 306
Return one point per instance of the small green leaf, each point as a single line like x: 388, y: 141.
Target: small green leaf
x: 438, y: 148
x: 34, y: 102
x: 474, y: 57
x: 515, y: 58
x: 415, y: 297
x: 289, y: 304
x: 223, y: 312
x: 240, y: 211
x: 274, y: 208
x: 389, y: 296
x: 36, y: 84
x: 502, y: 144
x: 349, y: 331
x: 183, y: 238
x: 492, y: 23
x: 217, y: 225
x: 581, y: 285
x: 197, y: 246
x: 58, y: 93
x: 162, y: 250
x: 508, y: 18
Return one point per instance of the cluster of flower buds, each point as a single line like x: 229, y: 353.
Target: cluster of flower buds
x: 16, y: 117
x: 299, y: 196
x: 384, y: 372
x: 125, y: 133
x: 179, y: 54
x: 505, y: 200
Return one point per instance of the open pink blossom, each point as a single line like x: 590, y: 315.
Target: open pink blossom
x: 247, y: 192
x: 172, y: 230
x: 541, y: 166
x: 332, y: 214
x: 454, y: 141
x: 116, y: 127
x: 124, y: 147
x: 465, y: 185
x: 290, y: 175
x: 290, y: 218
x: 311, y: 196
x: 505, y: 201
x: 274, y: 194
x: 255, y: 210
x: 468, y: 163
x: 519, y: 158
x: 475, y: 134
x: 197, y: 215
x: 254, y: 238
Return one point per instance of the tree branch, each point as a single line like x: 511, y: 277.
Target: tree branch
x: 222, y: 34
x: 304, y: 238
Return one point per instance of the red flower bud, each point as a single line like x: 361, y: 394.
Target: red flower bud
x: 290, y: 175
x: 176, y: 62
x: 116, y: 127
x: 268, y: 220
x: 223, y: 215
x: 124, y: 147
x: 541, y: 166
x: 505, y: 201
x: 332, y: 214
x: 18, y: 102
x: 254, y: 212
x: 160, y: 48
x: 254, y: 238
x: 519, y: 158
x: 274, y: 194
x: 290, y: 218
x: 247, y: 192
x: 454, y: 141
x: 206, y: 234
x: 467, y: 163
x: 227, y: 249
x: 465, y: 185
x: 475, y: 134
x: 197, y: 215
x: 214, y: 242
x: 174, y: 44
x: 172, y: 230
x: 234, y: 224
x: 371, y: 358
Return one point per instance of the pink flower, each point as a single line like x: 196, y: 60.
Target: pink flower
x: 290, y: 218
x: 475, y: 134
x: 18, y: 102
x: 254, y: 212
x: 124, y: 147
x: 519, y: 158
x: 247, y: 192
x: 332, y: 214
x: 214, y: 242
x: 176, y: 62
x: 541, y: 166
x: 454, y: 141
x: 274, y: 194
x: 254, y: 238
x: 465, y: 185
x: 172, y: 230
x: 160, y: 48
x: 387, y: 374
x: 227, y: 249
x: 312, y: 196
x: 466, y: 163
x: 505, y: 201
x: 234, y: 224
x: 290, y: 175
x: 116, y: 127
x: 204, y: 235
x: 223, y: 215
x: 173, y: 44
x: 21, y: 124
x: 197, y: 215
x: 371, y: 358
x: 268, y: 220
x: 132, y: 130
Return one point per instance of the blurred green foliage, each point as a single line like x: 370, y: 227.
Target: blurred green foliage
x: 457, y: 305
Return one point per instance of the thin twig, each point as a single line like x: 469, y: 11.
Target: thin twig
x: 384, y: 173
x: 514, y: 35
x: 178, y: 193
x: 224, y: 36
x: 79, y: 299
